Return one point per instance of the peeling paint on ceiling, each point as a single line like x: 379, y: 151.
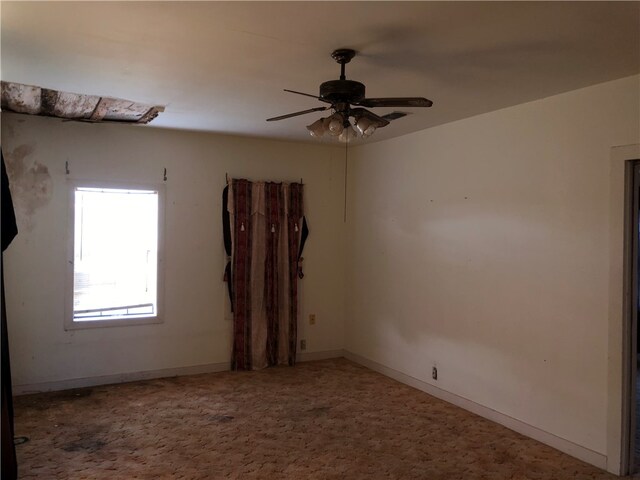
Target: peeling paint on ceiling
x: 47, y: 102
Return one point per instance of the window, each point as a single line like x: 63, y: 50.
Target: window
x: 114, y: 255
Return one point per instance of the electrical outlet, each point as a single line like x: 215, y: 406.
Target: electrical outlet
x: 312, y: 319
x: 434, y: 373
x: 303, y: 344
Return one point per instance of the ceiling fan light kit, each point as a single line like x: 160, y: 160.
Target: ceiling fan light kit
x: 348, y: 134
x: 346, y: 122
x: 317, y: 128
x: 337, y: 124
x: 365, y: 127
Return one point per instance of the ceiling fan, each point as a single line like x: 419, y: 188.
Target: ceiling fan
x: 347, y: 98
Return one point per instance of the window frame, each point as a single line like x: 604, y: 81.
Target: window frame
x: 69, y: 322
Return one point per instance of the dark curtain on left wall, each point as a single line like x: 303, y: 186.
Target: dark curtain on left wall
x: 9, y: 231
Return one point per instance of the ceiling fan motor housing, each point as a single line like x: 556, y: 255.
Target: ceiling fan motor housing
x: 345, y: 91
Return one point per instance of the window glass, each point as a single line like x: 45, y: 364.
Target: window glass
x: 115, y: 254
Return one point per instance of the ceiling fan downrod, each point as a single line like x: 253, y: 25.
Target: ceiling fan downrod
x: 343, y: 56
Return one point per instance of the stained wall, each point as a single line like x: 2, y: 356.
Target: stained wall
x: 197, y: 327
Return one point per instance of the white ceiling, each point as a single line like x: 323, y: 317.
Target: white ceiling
x: 221, y: 66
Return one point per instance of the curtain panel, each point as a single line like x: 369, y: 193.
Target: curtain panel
x: 265, y: 224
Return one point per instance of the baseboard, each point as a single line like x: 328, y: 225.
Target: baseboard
x: 325, y: 355
x: 150, y: 374
x: 118, y: 378
x: 586, y: 455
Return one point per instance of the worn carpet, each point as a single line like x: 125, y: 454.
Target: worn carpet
x: 324, y: 420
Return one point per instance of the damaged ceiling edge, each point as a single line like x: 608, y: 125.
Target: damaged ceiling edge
x: 20, y: 98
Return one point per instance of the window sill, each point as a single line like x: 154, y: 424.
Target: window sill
x: 124, y: 322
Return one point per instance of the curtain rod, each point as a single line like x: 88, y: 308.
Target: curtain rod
x: 227, y: 178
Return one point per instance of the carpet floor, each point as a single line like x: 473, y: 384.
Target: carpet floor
x: 330, y: 419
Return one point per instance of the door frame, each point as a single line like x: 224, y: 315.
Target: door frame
x: 621, y: 369
x: 632, y: 207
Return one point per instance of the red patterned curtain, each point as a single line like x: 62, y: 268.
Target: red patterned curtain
x: 266, y: 224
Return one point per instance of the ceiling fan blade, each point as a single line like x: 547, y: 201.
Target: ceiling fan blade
x: 396, y: 102
x: 307, y: 95
x: 289, y: 115
x: 394, y: 115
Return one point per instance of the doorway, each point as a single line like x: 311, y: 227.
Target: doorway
x: 633, y: 345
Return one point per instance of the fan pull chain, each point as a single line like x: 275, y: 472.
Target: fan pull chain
x: 346, y: 158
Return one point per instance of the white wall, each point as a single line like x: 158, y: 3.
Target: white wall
x: 481, y: 247
x: 197, y: 328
